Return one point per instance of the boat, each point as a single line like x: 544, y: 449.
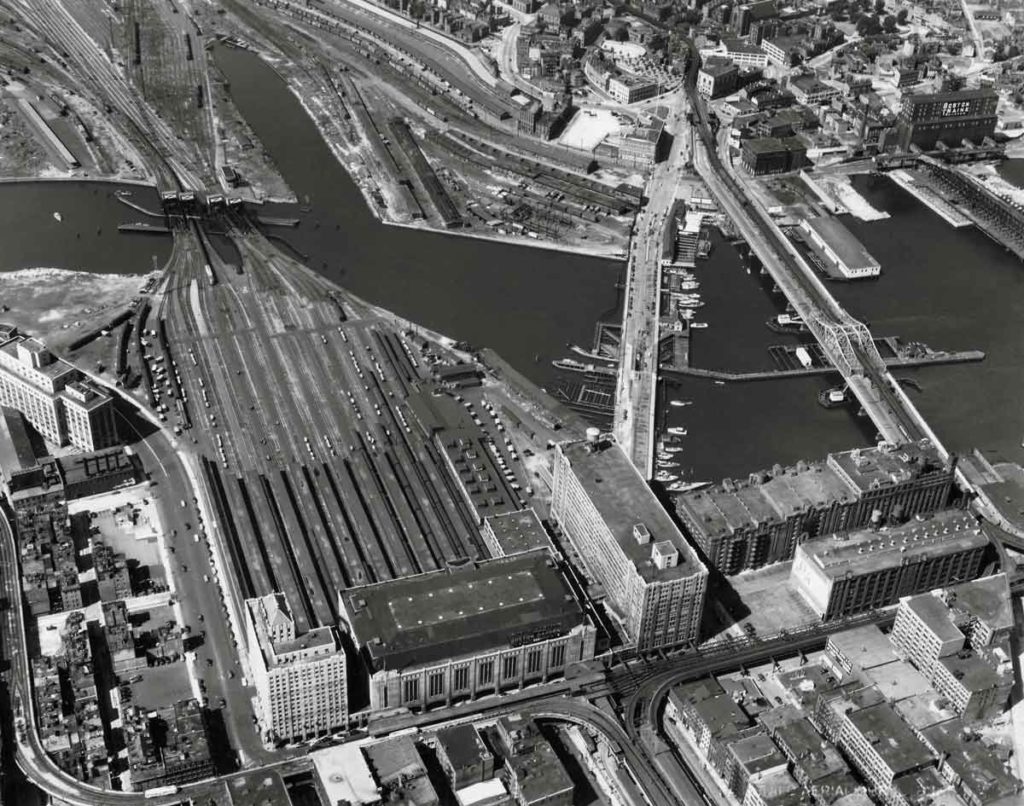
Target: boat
x: 687, y: 486
x: 699, y: 325
x: 680, y: 403
x: 689, y: 285
x: 677, y: 431
x: 58, y: 217
x: 786, y: 323
x: 832, y: 398
x: 664, y: 477
x: 686, y: 313
x: 719, y: 383
x: 570, y: 365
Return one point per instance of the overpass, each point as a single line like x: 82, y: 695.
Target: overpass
x: 847, y: 343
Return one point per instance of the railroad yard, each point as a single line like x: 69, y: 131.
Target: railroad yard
x: 303, y: 403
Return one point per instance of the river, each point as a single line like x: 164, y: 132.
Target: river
x: 952, y: 289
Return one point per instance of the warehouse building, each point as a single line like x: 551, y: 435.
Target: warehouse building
x: 950, y: 117
x: 841, y: 254
x: 747, y: 524
x: 654, y: 580
x: 300, y: 680
x: 466, y: 631
x: 773, y: 155
x: 851, y: 573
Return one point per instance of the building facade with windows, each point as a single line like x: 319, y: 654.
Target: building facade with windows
x: 928, y: 118
x: 468, y: 631
x: 845, y: 574
x: 654, y: 579
x: 748, y: 523
x: 300, y: 679
x: 52, y: 396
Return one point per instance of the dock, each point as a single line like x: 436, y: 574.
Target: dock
x: 932, y: 359
x: 149, y: 229
x: 274, y: 221
x: 928, y: 197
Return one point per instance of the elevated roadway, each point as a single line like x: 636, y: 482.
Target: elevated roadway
x: 636, y: 382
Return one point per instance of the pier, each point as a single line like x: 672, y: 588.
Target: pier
x: 143, y: 227
x: 929, y: 198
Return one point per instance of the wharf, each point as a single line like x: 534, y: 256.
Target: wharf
x: 149, y: 229
x: 930, y: 198
x: 138, y: 207
x: 932, y: 359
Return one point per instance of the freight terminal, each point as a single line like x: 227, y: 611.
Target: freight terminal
x: 838, y: 250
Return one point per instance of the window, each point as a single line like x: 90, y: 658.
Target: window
x: 509, y: 667
x: 461, y: 678
x: 533, y: 661
x: 411, y: 690
x: 486, y: 672
x: 435, y: 684
x: 558, y: 655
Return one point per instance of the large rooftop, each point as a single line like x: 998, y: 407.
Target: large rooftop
x: 16, y: 451
x: 842, y: 242
x: 623, y: 500
x: 461, y: 611
x: 980, y: 768
x: 863, y: 647
x: 932, y: 611
x: 867, y: 550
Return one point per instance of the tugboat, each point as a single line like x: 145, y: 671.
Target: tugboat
x: 786, y: 323
x: 832, y: 398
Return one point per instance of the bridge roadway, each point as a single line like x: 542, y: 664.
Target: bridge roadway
x: 847, y: 342
x: 636, y: 383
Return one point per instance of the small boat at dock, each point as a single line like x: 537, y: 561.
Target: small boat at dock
x: 58, y: 217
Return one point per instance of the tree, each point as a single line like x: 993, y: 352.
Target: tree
x: 879, y: 7
x: 901, y: 17
x: 889, y: 24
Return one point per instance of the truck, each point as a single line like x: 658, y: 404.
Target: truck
x: 804, y: 357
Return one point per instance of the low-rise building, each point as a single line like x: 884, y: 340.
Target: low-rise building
x: 515, y: 532
x: 738, y: 52
x: 838, y: 248
x: 630, y: 89
x: 811, y: 91
x: 863, y: 569
x: 463, y: 756
x: 467, y: 631
x: 773, y: 155
x: 717, y: 77
x: 536, y: 775
x: 973, y: 768
x: 628, y: 543
x: 300, y: 679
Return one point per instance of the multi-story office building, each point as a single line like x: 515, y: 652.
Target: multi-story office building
x: 89, y: 414
x: 630, y: 89
x: 717, y: 77
x: 738, y: 52
x: 52, y: 397
x: 773, y: 155
x: 467, y: 631
x: 958, y: 639
x: 852, y: 572
x: 628, y: 543
x: 747, y: 524
x: 928, y: 118
x: 300, y: 680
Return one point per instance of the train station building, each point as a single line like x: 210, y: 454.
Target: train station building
x: 466, y: 631
x: 627, y: 542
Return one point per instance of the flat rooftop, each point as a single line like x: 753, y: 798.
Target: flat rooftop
x: 867, y: 550
x: 868, y: 469
x: 863, y: 647
x: 623, y: 500
x: 898, y: 680
x: 814, y: 755
x: 987, y: 599
x: 978, y: 765
x: 84, y: 466
x: 891, y: 738
x: 54, y: 370
x: 518, y: 531
x: 842, y: 242
x: 933, y: 612
x: 461, y: 611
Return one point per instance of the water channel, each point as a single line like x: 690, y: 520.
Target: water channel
x: 951, y: 289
